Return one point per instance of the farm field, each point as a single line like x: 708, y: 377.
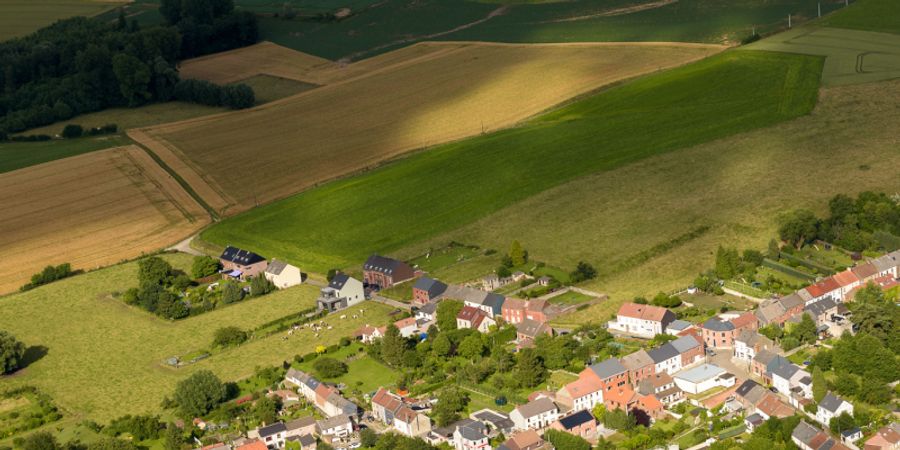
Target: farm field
x: 868, y: 15
x: 432, y: 193
x: 736, y: 186
x: 262, y: 58
x: 21, y: 17
x: 126, y: 118
x: 106, y: 358
x: 346, y: 127
x: 90, y: 210
x: 852, y: 56
x: 18, y: 155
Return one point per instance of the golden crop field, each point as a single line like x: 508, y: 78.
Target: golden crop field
x: 438, y: 92
x: 261, y: 58
x: 90, y: 210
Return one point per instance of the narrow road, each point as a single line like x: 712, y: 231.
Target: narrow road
x: 390, y: 302
x: 185, y: 247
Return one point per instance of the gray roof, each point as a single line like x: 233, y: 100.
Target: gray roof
x: 307, y: 440
x: 242, y: 257
x: 637, y: 360
x: 804, y: 432
x: 269, y: 430
x: 383, y: 264
x: 678, y: 324
x: 275, y: 267
x: 716, y: 324
x: 332, y: 422
x: 755, y: 419
x: 428, y: 308
x: 530, y: 328
x: 792, y: 301
x: 577, y: 419
x: 609, y: 368
x: 887, y: 262
x: 430, y: 285
x: 466, y: 294
x: 751, y: 391
x: 821, y: 307
x: 495, y: 302
x: 499, y: 420
x: 700, y: 373
x: 685, y: 343
x: 339, y: 281
x: 300, y: 423
x: 664, y: 352
x: 537, y: 406
x: 764, y: 356
x: 472, y: 431
x: 769, y: 311
x: 831, y: 402
x: 779, y: 365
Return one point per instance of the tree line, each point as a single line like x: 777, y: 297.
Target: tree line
x: 82, y: 65
x: 871, y: 221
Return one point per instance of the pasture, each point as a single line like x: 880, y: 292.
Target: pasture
x: 22, y: 17
x: 868, y: 15
x: 90, y: 210
x: 410, y: 202
x: 105, y: 358
x: 852, y: 56
x: 737, y: 186
x: 17, y: 155
x: 456, y: 91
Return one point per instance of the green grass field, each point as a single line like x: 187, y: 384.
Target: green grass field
x: 570, y: 298
x: 364, y: 373
x: 16, y: 155
x: 453, y: 185
x: 105, y: 359
x: 269, y: 88
x: 21, y: 17
x: 869, y: 15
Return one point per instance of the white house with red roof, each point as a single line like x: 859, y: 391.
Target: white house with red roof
x: 471, y: 317
x: 583, y: 393
x: 642, y: 320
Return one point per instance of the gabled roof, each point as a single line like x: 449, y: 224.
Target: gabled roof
x: 769, y: 311
x: 498, y: 420
x: 274, y: 428
x: 820, y: 307
x: 531, y: 328
x: 387, y: 400
x: 332, y: 422
x: 537, y: 304
x: 679, y: 325
x: 743, y: 320
x: 608, y: 368
x: 431, y: 286
x: 717, y: 324
x: 523, y: 439
x: 831, y: 402
x: 407, y: 322
x: 804, y: 432
x: 885, y: 437
x: 466, y: 294
x: 242, y: 257
x: 823, y: 287
x: 664, y: 352
x: 583, y: 386
x: 495, y: 302
x: 428, y: 308
x: 792, y: 301
x: 535, y: 407
x: 275, y: 267
x: 751, y: 391
x: 685, y: 343
x: 865, y: 270
x: 649, y: 385
x: 339, y: 281
x: 469, y: 313
x: 472, y: 430
x: 779, y: 365
x: 255, y: 444
x: 302, y: 422
x: 637, y: 360
x: 514, y: 303
x: 772, y: 406
x: 644, y: 312
x: 575, y: 420
x: 383, y: 264
x: 846, y: 278
x: 764, y: 357
x: 887, y: 262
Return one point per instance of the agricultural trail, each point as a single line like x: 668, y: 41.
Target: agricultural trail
x: 614, y: 12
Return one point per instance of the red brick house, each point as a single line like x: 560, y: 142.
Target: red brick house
x: 718, y: 333
x: 427, y: 290
x: 640, y: 366
x: 385, y: 272
x: 513, y: 310
x: 581, y: 423
x: 536, y: 310
x: 242, y: 264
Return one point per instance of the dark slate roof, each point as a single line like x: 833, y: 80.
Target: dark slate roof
x: 679, y: 325
x: 472, y: 431
x: 804, y: 432
x: 339, y: 281
x: 382, y: 264
x: 782, y: 367
x: 685, y: 343
x: 714, y: 324
x: 495, y: 302
x: 830, y: 402
x: 430, y: 285
x: 818, y: 308
x: 609, y: 368
x: 574, y: 420
x: 429, y: 308
x: 746, y: 387
x: 307, y: 440
x: 242, y: 257
x: 269, y: 430
x: 498, y: 420
x: 664, y: 352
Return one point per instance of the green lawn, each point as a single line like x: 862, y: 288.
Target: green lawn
x: 869, y: 15
x: 456, y: 184
x: 570, y: 298
x: 269, y: 88
x: 444, y: 257
x: 709, y: 301
x: 105, y: 359
x: 364, y: 373
x: 17, y: 155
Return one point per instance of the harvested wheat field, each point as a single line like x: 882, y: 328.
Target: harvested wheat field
x: 262, y: 58
x: 444, y: 92
x: 90, y: 210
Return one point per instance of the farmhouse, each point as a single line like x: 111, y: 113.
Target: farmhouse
x: 427, y: 290
x: 242, y: 264
x: 384, y: 272
x: 283, y: 275
x: 703, y: 378
x: 642, y: 320
x: 342, y: 292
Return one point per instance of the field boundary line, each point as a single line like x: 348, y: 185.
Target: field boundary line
x: 134, y: 153
x: 214, y: 216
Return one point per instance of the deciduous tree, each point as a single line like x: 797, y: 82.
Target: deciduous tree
x: 11, y: 352
x: 199, y: 393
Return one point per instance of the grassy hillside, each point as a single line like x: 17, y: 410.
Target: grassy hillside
x: 869, y: 15
x: 105, y: 359
x: 16, y: 155
x: 454, y: 185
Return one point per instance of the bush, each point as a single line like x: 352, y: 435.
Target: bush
x: 329, y: 367
x: 11, y: 352
x: 204, y: 266
x: 72, y: 131
x: 206, y: 93
x: 49, y: 274
x: 229, y: 336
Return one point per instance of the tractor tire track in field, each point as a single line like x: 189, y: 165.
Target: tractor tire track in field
x: 614, y: 12
x: 497, y: 12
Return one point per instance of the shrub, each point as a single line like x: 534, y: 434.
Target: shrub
x: 229, y: 336
x: 11, y: 352
x: 204, y: 266
x: 71, y: 131
x: 49, y: 274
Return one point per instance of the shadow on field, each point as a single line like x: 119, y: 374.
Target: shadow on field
x: 33, y: 354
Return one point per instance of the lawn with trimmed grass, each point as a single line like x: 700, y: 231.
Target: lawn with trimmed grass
x: 364, y: 373
x: 106, y: 359
x: 570, y: 298
x: 18, y: 155
x: 709, y: 301
x: 456, y: 184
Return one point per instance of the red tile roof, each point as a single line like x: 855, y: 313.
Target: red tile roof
x: 583, y: 386
x: 845, y: 278
x: 644, y: 312
x: 823, y: 287
x: 255, y: 445
x: 468, y: 313
x: 407, y: 322
x: 744, y: 320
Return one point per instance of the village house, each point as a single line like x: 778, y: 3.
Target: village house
x: 535, y: 415
x: 537, y: 310
x: 888, y: 265
x: 581, y: 394
x: 470, y: 435
x: 847, y: 281
x: 703, y: 378
x: 679, y: 326
x: 691, y: 349
x: 663, y: 387
x: 493, y: 281
x: 326, y: 398
x: 339, y: 426
x: 383, y: 273
x: 639, y: 364
x: 666, y: 359
x: 273, y: 436
x: 749, y: 343
x: 241, y: 264
x: 780, y: 310
x: 821, y: 290
x: 720, y: 333
x: 427, y: 312
x: 528, y: 330
x: 470, y: 317
x: 808, y: 437
x: 610, y: 372
x: 393, y: 410
x: 513, y: 310
x: 427, y: 290
x: 304, y: 426
x: 760, y: 362
x: 830, y: 407
x: 496, y: 422
x: 282, y: 274
x: 581, y: 424
x: 786, y: 377
x: 771, y: 406
x: 342, y: 292
x: 408, y: 327
x: 525, y: 440
x: 642, y: 320
x: 368, y: 334
x: 304, y: 381
x: 886, y: 438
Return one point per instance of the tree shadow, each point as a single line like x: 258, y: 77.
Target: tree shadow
x: 32, y: 355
